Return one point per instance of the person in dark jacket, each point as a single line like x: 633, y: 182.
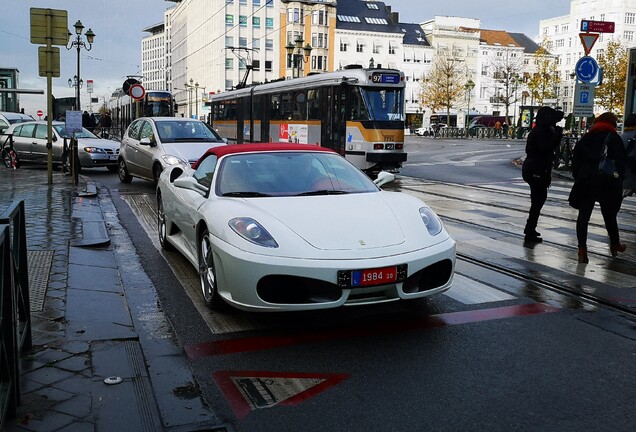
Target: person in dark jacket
x: 629, y: 139
x: 86, y: 120
x: 541, y: 144
x: 591, y: 186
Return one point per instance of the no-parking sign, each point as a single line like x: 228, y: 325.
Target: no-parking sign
x: 137, y: 91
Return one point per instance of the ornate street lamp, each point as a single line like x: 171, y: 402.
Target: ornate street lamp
x: 74, y: 82
x: 78, y: 43
x: 469, y: 86
x: 299, y: 55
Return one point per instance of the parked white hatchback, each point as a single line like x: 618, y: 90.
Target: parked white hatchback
x: 152, y: 144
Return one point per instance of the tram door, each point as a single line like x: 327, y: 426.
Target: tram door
x: 334, y: 128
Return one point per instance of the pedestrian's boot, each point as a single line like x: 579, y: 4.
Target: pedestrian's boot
x: 531, y: 235
x: 583, y: 259
x: 617, y: 247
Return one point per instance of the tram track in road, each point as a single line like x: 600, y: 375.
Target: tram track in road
x: 546, y: 284
x: 556, y: 206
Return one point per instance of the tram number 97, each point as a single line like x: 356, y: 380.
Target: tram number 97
x: 383, y: 78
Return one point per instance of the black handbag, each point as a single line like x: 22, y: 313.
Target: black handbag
x: 575, y: 195
x: 607, y: 166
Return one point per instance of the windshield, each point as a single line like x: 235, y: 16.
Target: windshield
x: 61, y: 131
x: 158, y: 108
x: 384, y: 104
x: 289, y: 174
x: 186, y: 131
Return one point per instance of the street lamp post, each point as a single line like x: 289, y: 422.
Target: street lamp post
x: 74, y: 82
x: 192, y: 87
x: 78, y: 43
x: 299, y: 55
x: 516, y: 82
x: 469, y: 86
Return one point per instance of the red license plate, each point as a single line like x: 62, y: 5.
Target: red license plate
x: 378, y: 276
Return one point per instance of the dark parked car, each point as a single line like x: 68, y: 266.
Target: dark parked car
x: 30, y: 139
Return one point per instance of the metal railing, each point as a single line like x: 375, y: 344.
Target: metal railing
x: 477, y: 133
x: 15, y: 312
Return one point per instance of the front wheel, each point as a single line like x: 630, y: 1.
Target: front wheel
x: 124, y: 176
x: 207, y: 273
x: 162, y: 226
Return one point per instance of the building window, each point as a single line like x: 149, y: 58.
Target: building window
x: 295, y: 15
x: 243, y: 42
x: 392, y: 48
x: 229, y: 41
x: 256, y: 43
x: 630, y: 18
x: 269, y: 23
x: 229, y: 63
x: 229, y: 84
x: 319, y: 17
x: 256, y: 2
x: 628, y: 36
x: 229, y: 19
x: 269, y: 45
x: 243, y: 2
x: 359, y: 46
x: 256, y: 22
x: 343, y: 45
x: 256, y: 65
x: 268, y: 65
x: 243, y: 20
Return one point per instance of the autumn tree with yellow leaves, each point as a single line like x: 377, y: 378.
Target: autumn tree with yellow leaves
x: 443, y: 86
x: 611, y: 93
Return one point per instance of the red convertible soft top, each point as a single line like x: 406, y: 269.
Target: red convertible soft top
x: 260, y: 147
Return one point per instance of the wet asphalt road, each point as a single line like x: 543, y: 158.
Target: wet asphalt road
x: 497, y: 352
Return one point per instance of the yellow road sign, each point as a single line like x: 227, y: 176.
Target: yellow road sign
x: 49, y: 64
x: 49, y: 26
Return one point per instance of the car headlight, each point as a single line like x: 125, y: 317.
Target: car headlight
x: 93, y: 150
x: 252, y: 231
x: 432, y: 222
x: 173, y: 160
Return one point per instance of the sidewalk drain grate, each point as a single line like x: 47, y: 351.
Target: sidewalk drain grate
x: 39, y: 269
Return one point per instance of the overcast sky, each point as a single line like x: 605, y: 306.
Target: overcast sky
x: 118, y: 27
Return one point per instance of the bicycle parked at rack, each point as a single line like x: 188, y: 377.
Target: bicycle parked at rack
x: 563, y: 155
x: 7, y: 153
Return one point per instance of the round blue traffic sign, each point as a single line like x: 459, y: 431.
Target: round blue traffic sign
x: 586, y: 69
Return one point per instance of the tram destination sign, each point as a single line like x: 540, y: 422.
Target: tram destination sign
x: 385, y: 78
x: 597, y: 26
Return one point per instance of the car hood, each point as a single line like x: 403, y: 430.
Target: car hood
x: 341, y: 222
x: 190, y: 151
x: 99, y: 142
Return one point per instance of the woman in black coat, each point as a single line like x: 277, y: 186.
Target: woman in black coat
x: 590, y: 186
x: 541, y: 144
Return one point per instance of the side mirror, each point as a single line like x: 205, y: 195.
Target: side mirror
x: 191, y: 184
x: 146, y: 141
x: 384, y: 178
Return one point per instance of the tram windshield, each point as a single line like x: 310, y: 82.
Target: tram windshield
x: 384, y: 104
x: 158, y: 105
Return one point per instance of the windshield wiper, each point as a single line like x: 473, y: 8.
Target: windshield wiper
x: 191, y: 139
x: 245, y: 194
x: 323, y: 192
